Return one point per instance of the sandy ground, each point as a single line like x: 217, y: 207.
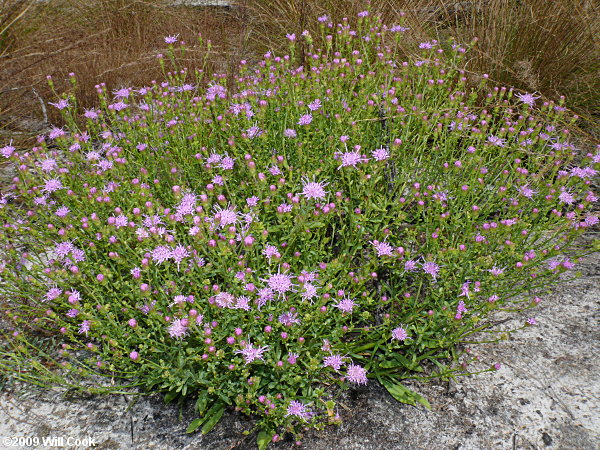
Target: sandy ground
x: 547, y: 394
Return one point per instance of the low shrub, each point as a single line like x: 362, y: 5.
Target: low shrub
x: 358, y: 218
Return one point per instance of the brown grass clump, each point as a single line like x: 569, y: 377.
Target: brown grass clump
x: 546, y: 46
x: 110, y: 41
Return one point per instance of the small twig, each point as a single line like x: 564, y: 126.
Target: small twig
x: 42, y: 104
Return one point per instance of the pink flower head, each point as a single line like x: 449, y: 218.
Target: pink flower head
x: 225, y: 217
x: 380, y: 154
x: 498, y: 142
x: 314, y: 190
x: 215, y: 91
x: 91, y: 114
x: 288, y: 319
x: 251, y: 353
x: 61, y: 104
x: 298, y: 409
x: 84, y: 327
x: 351, y: 159
x: 306, y: 119
x: 399, y: 334
x: 527, y: 98
x: 177, y: 330
x: 314, y: 106
x: 171, y: 39
x: 252, y: 201
x: 383, y: 248
x: 280, y: 283
x: 566, y: 197
x: 62, y: 249
x: 264, y: 295
x: 161, y: 254
x: 526, y: 191
x: 496, y: 271
x: 52, y: 294
x: 179, y: 253
x: 122, y: 93
x: 243, y: 302
x: 410, y: 266
x: 290, y: 133
x: 356, y: 374
x: 52, y: 185
x: 345, y: 305
x: 431, y: 268
x: 334, y: 361
x: 225, y: 300
x: 7, y: 151
x: 309, y: 292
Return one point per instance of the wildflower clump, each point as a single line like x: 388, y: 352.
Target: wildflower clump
x: 355, y: 217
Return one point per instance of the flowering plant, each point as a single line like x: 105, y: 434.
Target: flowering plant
x: 357, y: 217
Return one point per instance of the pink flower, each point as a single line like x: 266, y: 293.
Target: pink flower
x: 496, y: 271
x: 171, y: 39
x: 314, y: 190
x: 52, y: 294
x: 251, y: 353
x: 346, y: 305
x: 225, y: 300
x: 382, y: 248
x: 270, y: 251
x: 351, y: 159
x: 527, y: 98
x: 177, y: 330
x: 566, y: 197
x: 7, y: 151
x: 289, y: 133
x: 399, y: 334
x: 356, y: 374
x: 280, y: 283
x: 288, y: 319
x: 161, y: 254
x: 431, y: 268
x: 61, y: 104
x: 380, y: 154
x: 314, y: 106
x: 298, y: 409
x: 52, y: 185
x: 333, y: 361
x: 306, y: 119
x: 226, y: 217
x: 84, y: 327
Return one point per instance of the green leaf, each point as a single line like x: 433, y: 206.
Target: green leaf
x: 213, y: 416
x: 194, y: 425
x: 202, y: 402
x: 170, y: 396
x: 403, y: 394
x: 263, y: 439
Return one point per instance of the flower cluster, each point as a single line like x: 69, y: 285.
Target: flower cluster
x: 252, y: 244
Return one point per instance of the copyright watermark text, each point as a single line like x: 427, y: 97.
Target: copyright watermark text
x: 47, y: 441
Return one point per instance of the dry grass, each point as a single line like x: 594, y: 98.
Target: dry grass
x: 548, y: 46
x: 111, y: 41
